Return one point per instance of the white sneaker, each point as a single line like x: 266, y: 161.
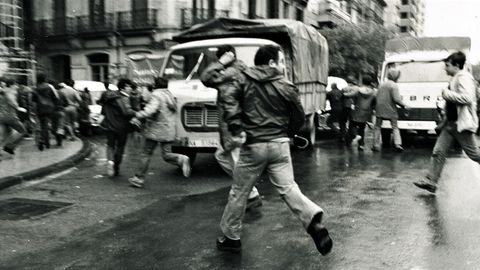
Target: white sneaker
x: 186, y: 168
x: 110, y: 170
x: 136, y: 181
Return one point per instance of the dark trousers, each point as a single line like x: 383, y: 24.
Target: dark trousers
x: 354, y: 129
x: 116, y: 142
x: 345, y: 117
x: 45, y: 121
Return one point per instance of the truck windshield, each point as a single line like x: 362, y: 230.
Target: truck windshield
x: 181, y: 63
x: 428, y: 71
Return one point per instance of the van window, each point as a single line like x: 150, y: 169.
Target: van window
x: 182, y: 62
x: 411, y: 72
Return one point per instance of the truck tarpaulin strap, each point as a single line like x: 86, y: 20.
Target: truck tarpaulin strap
x: 301, y: 43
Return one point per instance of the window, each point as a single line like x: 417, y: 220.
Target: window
x: 272, y: 9
x: 421, y: 71
x: 299, y: 15
x: 286, y: 10
x: 403, y: 29
x: 97, y: 12
x: 183, y: 63
x: 403, y: 15
x: 99, y: 66
x: 404, y: 2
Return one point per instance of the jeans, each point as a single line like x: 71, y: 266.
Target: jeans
x: 344, y: 118
x: 116, y: 142
x: 447, y: 136
x: 377, y: 134
x: 254, y: 159
x: 146, y: 156
x: 227, y: 160
x: 13, y: 132
x: 354, y: 129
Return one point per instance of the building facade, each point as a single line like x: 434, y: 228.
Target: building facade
x: 406, y: 17
x: 93, y: 39
x: 330, y: 13
x: 16, y: 60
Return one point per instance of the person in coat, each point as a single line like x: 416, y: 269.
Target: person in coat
x: 160, y: 114
x: 13, y: 127
x: 388, y: 98
x: 47, y: 102
x: 221, y: 75
x: 461, y: 120
x: 364, y: 103
x: 117, y: 111
x: 73, y: 100
x: 267, y: 108
x: 335, y: 97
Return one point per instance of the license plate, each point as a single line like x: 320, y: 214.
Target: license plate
x: 211, y: 142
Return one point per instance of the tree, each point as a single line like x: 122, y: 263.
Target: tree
x: 356, y: 50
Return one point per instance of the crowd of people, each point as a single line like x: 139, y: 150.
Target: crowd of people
x: 354, y: 106
x: 49, y: 108
x: 259, y: 111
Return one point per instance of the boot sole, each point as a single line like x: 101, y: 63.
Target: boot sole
x: 229, y: 249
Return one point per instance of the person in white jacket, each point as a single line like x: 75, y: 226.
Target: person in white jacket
x: 460, y: 121
x: 160, y: 115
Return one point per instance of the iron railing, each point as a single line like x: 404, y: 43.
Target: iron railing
x: 70, y: 26
x: 191, y: 16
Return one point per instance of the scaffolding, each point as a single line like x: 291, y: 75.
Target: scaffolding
x: 16, y: 59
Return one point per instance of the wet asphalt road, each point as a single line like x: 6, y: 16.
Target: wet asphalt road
x: 377, y: 218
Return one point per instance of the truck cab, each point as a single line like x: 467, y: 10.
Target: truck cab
x: 306, y: 61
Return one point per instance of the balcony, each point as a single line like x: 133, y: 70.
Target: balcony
x: 137, y: 19
x: 191, y: 16
x: 92, y: 25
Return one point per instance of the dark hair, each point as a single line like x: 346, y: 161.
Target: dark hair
x: 456, y: 59
x: 265, y: 54
x: 70, y: 82
x: 367, y: 80
x: 225, y: 48
x: 41, y: 78
x: 123, y: 82
x: 160, y: 82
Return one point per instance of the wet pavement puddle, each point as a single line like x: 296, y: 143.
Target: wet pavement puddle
x: 21, y: 208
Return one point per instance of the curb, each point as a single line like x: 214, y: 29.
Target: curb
x: 52, y: 168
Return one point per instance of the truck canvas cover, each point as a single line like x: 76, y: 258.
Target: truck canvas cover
x: 304, y: 46
x: 409, y: 44
x: 144, y: 68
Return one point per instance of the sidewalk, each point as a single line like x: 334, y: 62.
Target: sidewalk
x: 29, y: 162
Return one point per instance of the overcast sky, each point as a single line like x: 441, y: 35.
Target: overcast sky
x: 454, y: 18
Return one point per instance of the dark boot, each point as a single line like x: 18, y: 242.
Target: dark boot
x: 226, y: 244
x: 59, y: 138
x: 320, y: 235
